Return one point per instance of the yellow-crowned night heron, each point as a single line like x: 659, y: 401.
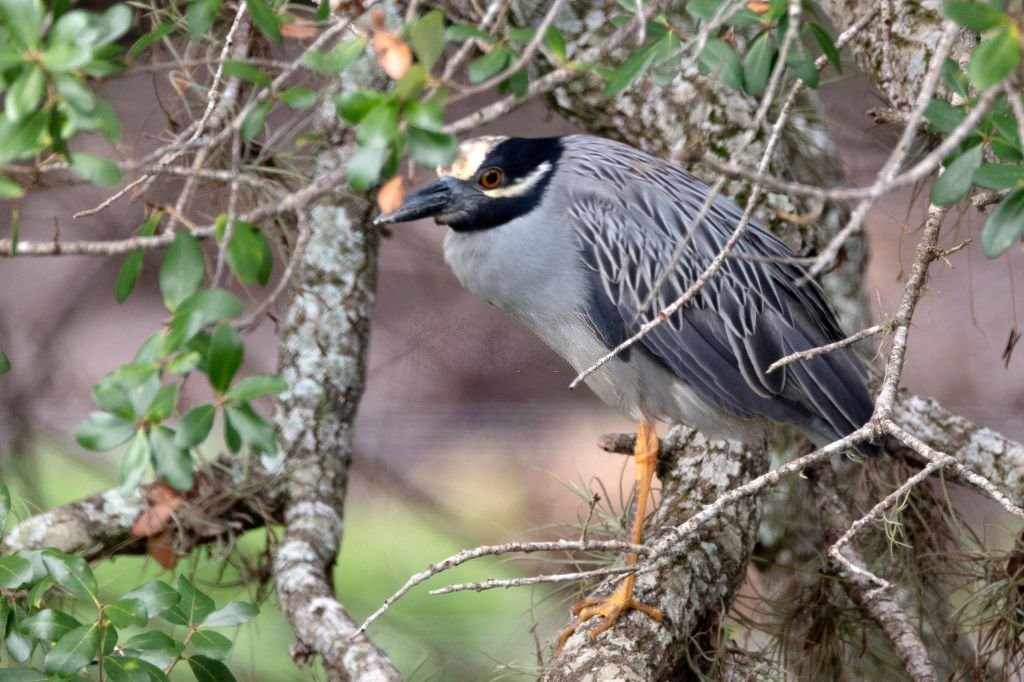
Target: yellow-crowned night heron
x: 569, y: 234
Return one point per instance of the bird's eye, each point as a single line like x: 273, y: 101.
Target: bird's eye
x: 491, y: 178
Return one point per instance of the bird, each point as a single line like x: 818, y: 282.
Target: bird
x: 576, y: 237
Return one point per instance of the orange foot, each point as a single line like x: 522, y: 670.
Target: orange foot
x: 610, y: 608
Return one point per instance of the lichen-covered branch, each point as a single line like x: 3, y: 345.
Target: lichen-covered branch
x: 322, y: 356
x: 695, y: 588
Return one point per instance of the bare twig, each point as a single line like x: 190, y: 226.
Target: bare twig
x: 507, y: 548
x: 827, y: 348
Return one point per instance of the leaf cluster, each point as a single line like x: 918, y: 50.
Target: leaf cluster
x: 47, y: 57
x: 57, y: 625
x: 137, y: 400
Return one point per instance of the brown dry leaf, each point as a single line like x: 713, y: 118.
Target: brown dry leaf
x: 391, y: 194
x: 161, y: 548
x: 163, y: 500
x: 300, y: 29
x: 758, y: 7
x: 393, y: 55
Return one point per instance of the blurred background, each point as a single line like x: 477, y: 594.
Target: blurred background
x: 468, y: 433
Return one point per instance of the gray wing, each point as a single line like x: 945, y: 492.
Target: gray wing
x: 746, y: 317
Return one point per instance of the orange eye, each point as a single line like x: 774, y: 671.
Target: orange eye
x: 491, y: 178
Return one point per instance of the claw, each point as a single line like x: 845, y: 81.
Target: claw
x: 609, y: 608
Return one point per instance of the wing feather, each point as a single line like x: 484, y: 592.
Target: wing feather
x: 750, y: 314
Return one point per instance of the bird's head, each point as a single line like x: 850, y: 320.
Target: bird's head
x: 493, y: 180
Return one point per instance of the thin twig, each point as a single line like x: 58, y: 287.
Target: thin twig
x: 495, y: 550
x: 827, y: 348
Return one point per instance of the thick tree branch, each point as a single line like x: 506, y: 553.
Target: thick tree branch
x: 695, y: 588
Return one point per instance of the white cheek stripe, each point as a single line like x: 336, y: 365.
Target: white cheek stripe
x: 522, y: 186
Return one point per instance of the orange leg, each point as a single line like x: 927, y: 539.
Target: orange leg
x: 645, y: 455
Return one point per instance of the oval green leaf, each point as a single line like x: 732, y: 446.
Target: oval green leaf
x: 956, y: 179
x: 1004, y: 226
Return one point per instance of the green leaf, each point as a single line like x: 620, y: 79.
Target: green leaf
x: 231, y: 437
x: 248, y: 254
x: 126, y: 611
x: 131, y: 669
x: 135, y: 463
x: 630, y: 70
x: 251, y: 427
x: 96, y: 169
x: 5, y: 504
x: 252, y: 125
x: 425, y: 115
x: 253, y: 387
x: 199, y: 17
x: 49, y: 625
x: 154, y: 646
x: 942, y: 116
x: 195, y: 312
x: 19, y: 644
x: 977, y: 16
x: 23, y: 19
x: 128, y: 275
x: 185, y: 362
x: 173, y: 464
x: 246, y: 72
x: 72, y: 573
x: 828, y: 48
x: 427, y: 38
x: 162, y: 29
x: 364, y: 167
x: 457, y: 33
x: 340, y: 57
x: 230, y: 615
x: 163, y: 404
x: 429, y: 148
x: 182, y: 270
x: 994, y: 58
x: 24, y: 138
x: 492, y: 62
x: 112, y: 24
x: 15, y: 571
x: 74, y: 650
x: 956, y: 179
x: 354, y: 105
x: 66, y: 57
x: 954, y: 78
x: 522, y: 34
x: 299, y: 97
x: 210, y: 644
x: 1004, y: 225
x: 801, y: 63
x: 999, y: 176
x: 379, y: 127
x: 193, y: 608
x: 5, y: 363
x: 208, y: 670
x: 757, y: 64
x: 24, y: 94
x: 412, y: 84
x: 76, y: 95
x: 102, y: 431
x: 129, y: 390
x: 555, y: 42
x: 9, y: 189
x: 157, y: 596
x: 718, y: 59
x: 225, y: 356
x: 266, y: 19
x: 195, y: 427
